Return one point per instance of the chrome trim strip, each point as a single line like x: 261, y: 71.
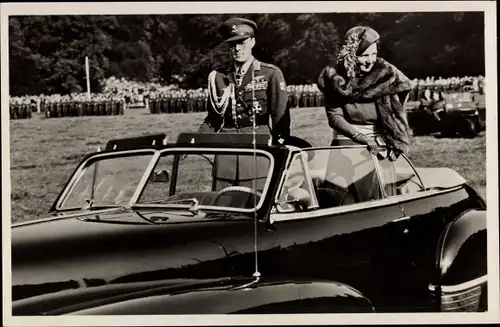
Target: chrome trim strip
x: 424, y: 194
x: 378, y: 171
x: 352, y: 207
x: 82, y: 168
x: 461, y: 287
x: 144, y: 179
x: 332, y: 147
x: 469, y: 297
x: 415, y: 170
x: 401, y: 219
x: 63, y: 215
x: 308, y: 180
x: 468, y: 307
x: 284, y: 177
x: 285, y: 174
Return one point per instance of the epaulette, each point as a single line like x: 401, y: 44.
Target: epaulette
x: 224, y: 68
x: 269, y: 65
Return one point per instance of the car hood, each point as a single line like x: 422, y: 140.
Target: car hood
x: 209, y: 296
x: 64, y: 253
x: 73, y: 300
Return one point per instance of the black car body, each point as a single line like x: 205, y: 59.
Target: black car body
x: 220, y: 223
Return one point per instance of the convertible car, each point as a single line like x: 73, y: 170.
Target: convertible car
x: 240, y: 224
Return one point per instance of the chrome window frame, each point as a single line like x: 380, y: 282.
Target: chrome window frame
x: 156, y: 154
x: 82, y: 168
x: 222, y: 150
x: 385, y: 201
x: 381, y: 180
x: 361, y: 206
x: 308, y: 179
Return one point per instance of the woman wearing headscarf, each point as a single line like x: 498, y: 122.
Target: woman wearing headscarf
x: 364, y: 95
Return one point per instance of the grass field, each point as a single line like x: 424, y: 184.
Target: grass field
x: 44, y: 152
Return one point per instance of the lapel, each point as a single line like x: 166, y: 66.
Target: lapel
x: 254, y: 66
x: 230, y: 75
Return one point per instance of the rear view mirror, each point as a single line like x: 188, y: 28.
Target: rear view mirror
x: 162, y: 176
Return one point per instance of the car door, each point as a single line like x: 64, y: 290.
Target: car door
x: 347, y: 230
x: 426, y: 211
x: 426, y: 208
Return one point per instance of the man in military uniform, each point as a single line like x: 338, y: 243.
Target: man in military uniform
x: 244, y: 86
x: 240, y: 92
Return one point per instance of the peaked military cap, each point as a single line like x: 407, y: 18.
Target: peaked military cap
x: 367, y: 35
x: 237, y: 28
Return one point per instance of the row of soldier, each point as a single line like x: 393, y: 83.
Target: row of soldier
x: 169, y: 99
x: 183, y: 101
x: 474, y: 84
x: 84, y: 108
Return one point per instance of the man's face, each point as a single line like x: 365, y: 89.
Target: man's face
x: 241, y: 50
x: 367, y: 59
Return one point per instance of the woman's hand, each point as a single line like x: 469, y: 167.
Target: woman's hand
x: 369, y: 141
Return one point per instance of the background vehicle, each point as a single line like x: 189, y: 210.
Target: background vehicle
x: 147, y: 227
x: 449, y: 117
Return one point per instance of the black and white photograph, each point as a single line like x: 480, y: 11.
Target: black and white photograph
x: 202, y: 163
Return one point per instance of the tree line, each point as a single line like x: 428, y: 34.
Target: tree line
x: 47, y: 53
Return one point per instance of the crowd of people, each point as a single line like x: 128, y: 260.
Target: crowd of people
x: 120, y: 94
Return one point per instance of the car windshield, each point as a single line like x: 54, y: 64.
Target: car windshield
x: 106, y: 180
x: 346, y: 175
x: 340, y: 176
x: 208, y: 179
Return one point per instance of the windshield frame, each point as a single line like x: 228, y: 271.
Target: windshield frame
x: 149, y: 169
x: 82, y: 168
x: 203, y: 150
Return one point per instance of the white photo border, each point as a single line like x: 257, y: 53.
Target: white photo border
x: 489, y: 9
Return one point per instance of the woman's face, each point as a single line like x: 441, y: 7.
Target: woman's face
x: 367, y: 59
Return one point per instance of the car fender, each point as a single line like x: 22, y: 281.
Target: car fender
x: 462, y: 250
x: 253, y: 297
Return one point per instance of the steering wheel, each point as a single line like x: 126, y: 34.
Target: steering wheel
x: 242, y: 189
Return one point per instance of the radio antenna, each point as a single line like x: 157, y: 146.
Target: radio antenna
x: 254, y: 182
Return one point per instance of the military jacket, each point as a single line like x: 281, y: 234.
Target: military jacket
x: 262, y: 89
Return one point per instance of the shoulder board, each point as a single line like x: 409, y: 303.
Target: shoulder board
x: 222, y: 68
x: 263, y: 64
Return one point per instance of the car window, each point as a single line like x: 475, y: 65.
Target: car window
x: 343, y: 176
x: 213, y: 179
x: 398, y: 177
x: 108, y: 181
x: 295, y: 186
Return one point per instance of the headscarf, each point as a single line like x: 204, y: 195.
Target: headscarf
x: 357, y: 40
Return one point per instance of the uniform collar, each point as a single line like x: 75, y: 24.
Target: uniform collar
x: 246, y: 79
x: 245, y: 66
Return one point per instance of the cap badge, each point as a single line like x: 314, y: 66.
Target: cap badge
x: 235, y: 30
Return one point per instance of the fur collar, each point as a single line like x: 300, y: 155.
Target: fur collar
x: 383, y: 79
x: 382, y: 86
